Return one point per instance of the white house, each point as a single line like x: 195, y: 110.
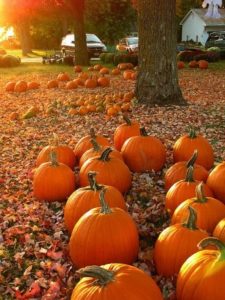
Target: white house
x: 195, y: 26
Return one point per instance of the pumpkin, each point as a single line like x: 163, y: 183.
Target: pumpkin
x: 71, y: 85
x: 86, y: 198
x: 103, y: 81
x: 127, y: 74
x: 178, y: 171
x: 64, y: 153
x: 144, y: 153
x: 85, y: 144
x: 103, y: 235
x: 115, y: 71
x: 203, y: 64
x: 90, y: 83
x: 176, y: 243
x: 104, y: 70
x: 78, y: 82
x: 77, y: 69
x: 33, y: 85
x: 110, y: 171
x: 185, y: 146
x: 219, y: 230
x: 51, y: 84
x: 193, y: 64
x: 20, y: 86
x: 10, y: 86
x: 216, y: 181
x: 202, y: 275
x: 96, y: 150
x: 125, y: 131
x: 63, y: 77
x: 183, y: 190
x: 97, y: 67
x: 104, y: 282
x: 180, y: 65
x: 53, y: 181
x: 210, y: 210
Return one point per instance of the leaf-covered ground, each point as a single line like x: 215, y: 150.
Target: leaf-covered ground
x: 34, y: 262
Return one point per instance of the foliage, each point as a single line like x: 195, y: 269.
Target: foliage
x: 7, y: 61
x: 188, y: 55
x: 126, y: 58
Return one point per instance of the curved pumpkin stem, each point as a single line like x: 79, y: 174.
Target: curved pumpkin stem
x: 95, y: 144
x: 92, y: 181
x: 192, y: 133
x: 53, y: 158
x: 143, y: 131
x: 189, y: 174
x: 102, y: 275
x: 215, y: 242
x: 192, y: 219
x: 201, y: 198
x: 105, y: 154
x: 92, y: 133
x: 105, y: 209
x: 127, y: 120
x: 192, y: 160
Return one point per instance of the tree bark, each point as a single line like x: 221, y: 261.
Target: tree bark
x: 23, y: 32
x: 157, y: 81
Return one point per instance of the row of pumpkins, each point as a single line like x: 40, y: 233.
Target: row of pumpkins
x: 102, y: 231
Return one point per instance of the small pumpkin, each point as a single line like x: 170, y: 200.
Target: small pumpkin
x: 110, y: 171
x: 33, y: 85
x: 53, y: 181
x: 193, y: 64
x: 105, y: 282
x: 63, y: 77
x: 125, y: 131
x: 202, y: 275
x: 219, y: 230
x: 20, y: 86
x: 103, y: 235
x: 77, y: 69
x: 103, y: 81
x: 90, y: 83
x: 186, y: 145
x: 176, y: 243
x: 216, y: 181
x: 10, y: 86
x: 203, y: 64
x: 104, y: 71
x: 210, y: 210
x: 144, y: 153
x: 71, y: 85
x: 86, y: 198
x: 51, y: 84
x: 180, y: 65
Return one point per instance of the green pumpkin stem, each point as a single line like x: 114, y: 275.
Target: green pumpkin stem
x: 92, y: 181
x: 95, y: 145
x: 92, y: 133
x: 105, y: 209
x: 189, y: 175
x: 215, y: 242
x: 102, y: 276
x: 53, y: 158
x: 201, y: 198
x: 127, y: 120
x: 105, y: 154
x: 192, y: 219
x: 143, y: 131
x: 192, y: 133
x: 192, y: 160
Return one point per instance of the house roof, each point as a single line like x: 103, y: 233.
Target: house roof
x: 200, y: 12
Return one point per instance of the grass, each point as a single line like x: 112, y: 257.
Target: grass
x: 35, y: 53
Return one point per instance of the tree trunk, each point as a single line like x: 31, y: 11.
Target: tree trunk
x: 23, y: 32
x: 157, y: 81
x: 81, y: 53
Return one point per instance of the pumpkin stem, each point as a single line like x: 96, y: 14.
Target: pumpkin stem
x: 105, y: 209
x: 127, y: 120
x: 201, y: 198
x: 105, y: 154
x: 53, y: 158
x: 192, y: 133
x: 92, y: 133
x: 192, y: 219
x: 103, y: 276
x: 192, y: 160
x: 189, y: 175
x: 92, y: 181
x: 215, y: 242
x: 143, y: 131
x: 95, y: 144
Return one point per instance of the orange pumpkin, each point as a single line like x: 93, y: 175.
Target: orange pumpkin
x: 71, y: 85
x: 216, y: 181
x: 108, y: 170
x: 117, y: 242
x: 203, y: 64
x: 53, y: 181
x: 193, y: 64
x: 180, y: 65
x: 97, y: 67
x: 86, y: 198
x: 33, y: 85
x: 10, y: 86
x: 78, y: 81
x: 115, y: 71
x: 202, y: 275
x: 77, y: 69
x: 90, y: 83
x: 176, y: 243
x: 219, y: 230
x: 103, y: 81
x: 20, y: 86
x: 63, y: 77
x: 104, y: 282
x: 51, y: 84
x: 104, y: 70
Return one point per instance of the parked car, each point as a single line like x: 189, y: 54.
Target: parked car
x: 129, y: 44
x: 216, y: 39
x: 94, y: 45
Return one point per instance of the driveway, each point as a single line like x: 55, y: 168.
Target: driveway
x: 31, y: 60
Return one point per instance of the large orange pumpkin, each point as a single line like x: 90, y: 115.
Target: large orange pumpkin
x: 125, y: 131
x: 202, y: 275
x: 110, y: 171
x: 216, y: 181
x: 10, y: 86
x: 210, y: 210
x: 103, y: 235
x: 178, y: 171
x: 51, y: 84
x: 219, y: 230
x: 107, y: 281
x: 20, y: 86
x: 187, y: 144
x: 33, y: 85
x: 53, y: 181
x: 176, y: 243
x: 144, y: 153
x: 63, y: 77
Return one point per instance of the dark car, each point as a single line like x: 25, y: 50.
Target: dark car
x: 216, y: 39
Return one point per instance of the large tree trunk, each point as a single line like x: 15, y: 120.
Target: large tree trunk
x: 157, y: 81
x: 81, y: 53
x: 23, y: 33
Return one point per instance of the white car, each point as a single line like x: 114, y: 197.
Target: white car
x: 94, y: 45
